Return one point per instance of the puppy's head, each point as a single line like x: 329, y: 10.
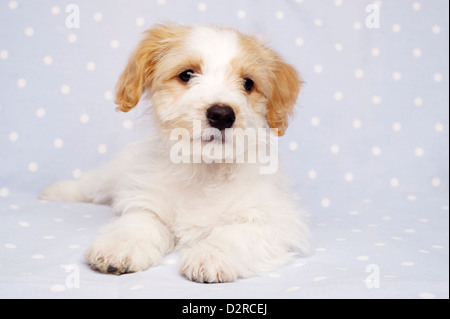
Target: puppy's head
x: 216, y: 75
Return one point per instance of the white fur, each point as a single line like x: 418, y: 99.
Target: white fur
x: 227, y: 220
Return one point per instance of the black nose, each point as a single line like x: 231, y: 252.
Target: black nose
x: 221, y: 116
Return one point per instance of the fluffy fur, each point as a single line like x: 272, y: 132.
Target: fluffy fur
x: 226, y: 220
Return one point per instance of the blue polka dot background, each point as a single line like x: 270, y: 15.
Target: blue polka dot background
x: 367, y: 150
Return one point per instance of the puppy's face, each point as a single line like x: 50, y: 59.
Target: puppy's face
x: 216, y: 76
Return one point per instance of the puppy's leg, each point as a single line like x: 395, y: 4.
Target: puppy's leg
x: 241, y: 250
x: 131, y: 243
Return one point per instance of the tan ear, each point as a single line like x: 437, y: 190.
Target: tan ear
x: 139, y: 72
x: 286, y: 89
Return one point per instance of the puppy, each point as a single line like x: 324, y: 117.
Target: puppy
x: 226, y: 218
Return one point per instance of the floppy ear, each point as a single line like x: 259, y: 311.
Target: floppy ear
x: 139, y: 72
x: 286, y: 89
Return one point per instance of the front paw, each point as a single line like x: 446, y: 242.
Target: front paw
x: 207, y: 264
x: 113, y: 256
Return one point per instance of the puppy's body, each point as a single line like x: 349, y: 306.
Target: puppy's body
x: 227, y: 219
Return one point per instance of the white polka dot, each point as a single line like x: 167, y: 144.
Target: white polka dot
x: 417, y: 53
x: 4, y: 54
x: 10, y: 246
x: 359, y: 73
x: 65, y: 89
x: 335, y: 149
x: 98, y: 16
x: 170, y: 261
x: 357, y: 25
x: 48, y: 60
x: 58, y: 220
x: 58, y: 143
x: 24, y: 224
x: 416, y: 6
x: 376, y: 99
x: 318, y: 22
x: 21, y: 83
x: 57, y: 288
x: 32, y: 167
x: 319, y: 278
x: 396, y: 76
x: 13, y: 136
x: 397, y: 127
x: 108, y: 95
x: 376, y: 52
x: 299, y: 42
x: 427, y: 295
x: 37, y: 256
x: 418, y: 102
x: 353, y: 213
x: 114, y: 44
x: 74, y: 246
x: 438, y: 247
x: 201, y: 7
x: 436, y: 182
x: 279, y: 15
x: 439, y: 127
x: 437, y: 77
x: 137, y: 287
x: 84, y: 118
x: 13, y: 5
x: 436, y: 29
x: 77, y: 173
x: 312, y: 174
x: 419, y: 152
x: 376, y: 151
x: 318, y: 68
x: 72, y: 38
x: 14, y: 207
x: 395, y: 182
x: 411, y: 198
x: 410, y: 231
x: 338, y: 3
x: 40, y: 112
x: 293, y: 146
x: 408, y: 264
x: 90, y: 66
x: 140, y: 21
x: 363, y: 258
x: 349, y: 177
x: 325, y: 203
x: 29, y: 32
x: 101, y: 149
x: 291, y: 289
x: 396, y: 28
x: 315, y: 121
x: 241, y: 14
x: 4, y: 192
x: 161, y: 2
x: 338, y: 47
x: 55, y: 10
x: 357, y: 123
x: 338, y: 96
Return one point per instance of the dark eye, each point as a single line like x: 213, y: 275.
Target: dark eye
x: 186, y: 75
x: 248, y: 84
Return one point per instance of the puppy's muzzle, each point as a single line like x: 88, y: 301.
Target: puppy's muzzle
x: 221, y: 117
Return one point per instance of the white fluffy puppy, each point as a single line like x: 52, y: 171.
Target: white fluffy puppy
x: 227, y: 220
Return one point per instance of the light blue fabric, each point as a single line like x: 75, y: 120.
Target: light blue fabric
x: 368, y: 150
